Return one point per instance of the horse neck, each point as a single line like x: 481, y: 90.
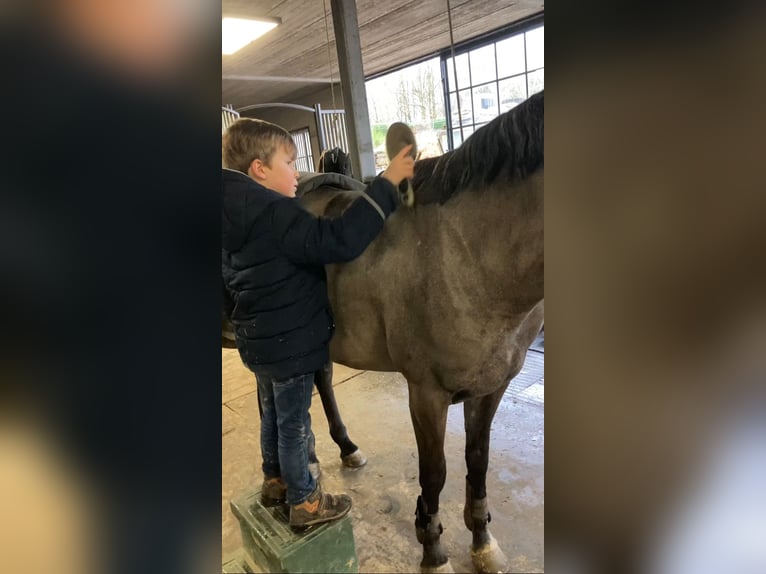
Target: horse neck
x: 496, y: 236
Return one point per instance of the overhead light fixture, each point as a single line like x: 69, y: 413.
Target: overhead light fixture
x: 239, y: 32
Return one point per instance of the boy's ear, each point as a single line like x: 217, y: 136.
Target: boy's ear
x: 256, y: 169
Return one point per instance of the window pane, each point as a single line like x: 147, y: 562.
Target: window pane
x: 443, y: 142
x: 536, y: 81
x: 414, y: 95
x: 454, y: 113
x: 485, y: 102
x: 463, y: 77
x: 513, y: 91
x: 414, y: 92
x: 510, y: 56
x: 466, y: 113
x: 456, y: 141
x: 483, y: 65
x: 536, y: 48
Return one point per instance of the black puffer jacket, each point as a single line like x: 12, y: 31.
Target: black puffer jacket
x: 273, y: 257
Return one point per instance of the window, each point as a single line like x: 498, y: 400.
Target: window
x: 493, y: 78
x: 413, y: 95
x: 304, y: 161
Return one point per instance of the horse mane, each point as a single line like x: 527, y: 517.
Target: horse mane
x: 509, y: 148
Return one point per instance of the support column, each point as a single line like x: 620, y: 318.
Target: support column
x: 352, y: 82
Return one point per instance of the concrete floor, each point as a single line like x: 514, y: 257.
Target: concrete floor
x: 374, y: 408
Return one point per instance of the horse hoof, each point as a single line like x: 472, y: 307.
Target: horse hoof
x: 354, y: 460
x: 489, y: 559
x: 445, y: 568
x: 314, y: 470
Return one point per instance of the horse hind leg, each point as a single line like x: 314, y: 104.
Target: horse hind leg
x: 350, y: 454
x: 428, y: 410
x: 485, y: 553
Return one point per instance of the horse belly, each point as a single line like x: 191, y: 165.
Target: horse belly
x: 485, y: 372
x: 483, y: 363
x: 359, y: 340
x: 360, y: 351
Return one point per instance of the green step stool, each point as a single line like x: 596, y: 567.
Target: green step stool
x: 272, y: 545
x: 236, y: 564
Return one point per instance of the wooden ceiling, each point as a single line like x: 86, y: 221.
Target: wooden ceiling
x: 292, y: 60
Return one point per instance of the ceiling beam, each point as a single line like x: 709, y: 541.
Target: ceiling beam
x: 276, y: 79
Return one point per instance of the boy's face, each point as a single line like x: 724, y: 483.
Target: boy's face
x: 280, y: 175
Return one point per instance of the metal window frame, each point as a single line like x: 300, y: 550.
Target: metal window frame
x: 520, y: 27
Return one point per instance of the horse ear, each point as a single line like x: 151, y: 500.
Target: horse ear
x: 347, y: 169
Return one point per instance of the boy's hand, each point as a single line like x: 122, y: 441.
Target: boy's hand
x: 401, y: 167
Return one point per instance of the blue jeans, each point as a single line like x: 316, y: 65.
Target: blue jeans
x: 286, y: 436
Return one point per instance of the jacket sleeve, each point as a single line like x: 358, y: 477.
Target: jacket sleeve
x: 305, y: 238
x: 228, y: 302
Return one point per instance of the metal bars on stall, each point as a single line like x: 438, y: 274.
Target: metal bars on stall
x: 304, y: 160
x: 228, y: 117
x: 331, y: 127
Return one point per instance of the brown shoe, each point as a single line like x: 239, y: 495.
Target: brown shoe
x: 273, y: 491
x: 318, y: 508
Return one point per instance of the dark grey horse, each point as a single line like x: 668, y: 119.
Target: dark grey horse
x: 335, y: 160
x: 450, y: 295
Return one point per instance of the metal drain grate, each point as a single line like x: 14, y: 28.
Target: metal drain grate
x: 528, y: 386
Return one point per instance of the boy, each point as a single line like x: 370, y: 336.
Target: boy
x: 273, y: 257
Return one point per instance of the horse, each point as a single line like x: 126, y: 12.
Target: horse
x: 335, y: 160
x: 450, y: 294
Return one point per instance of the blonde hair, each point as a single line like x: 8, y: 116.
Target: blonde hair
x: 249, y: 139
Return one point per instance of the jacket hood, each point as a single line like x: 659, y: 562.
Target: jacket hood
x: 243, y: 201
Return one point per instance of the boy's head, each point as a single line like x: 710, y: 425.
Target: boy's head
x: 264, y: 151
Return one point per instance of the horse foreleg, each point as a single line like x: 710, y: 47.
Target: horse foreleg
x: 349, y: 452
x: 479, y: 412
x: 428, y: 409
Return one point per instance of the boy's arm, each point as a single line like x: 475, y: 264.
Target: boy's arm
x: 305, y: 238
x: 228, y: 302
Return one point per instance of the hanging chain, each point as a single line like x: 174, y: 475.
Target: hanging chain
x: 329, y: 57
x: 454, y: 71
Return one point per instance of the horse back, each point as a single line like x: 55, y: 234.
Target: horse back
x: 327, y: 194
x: 328, y: 201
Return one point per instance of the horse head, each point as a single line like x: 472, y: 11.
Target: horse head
x: 335, y: 160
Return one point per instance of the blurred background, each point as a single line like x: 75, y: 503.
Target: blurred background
x: 109, y: 363
x: 655, y: 329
